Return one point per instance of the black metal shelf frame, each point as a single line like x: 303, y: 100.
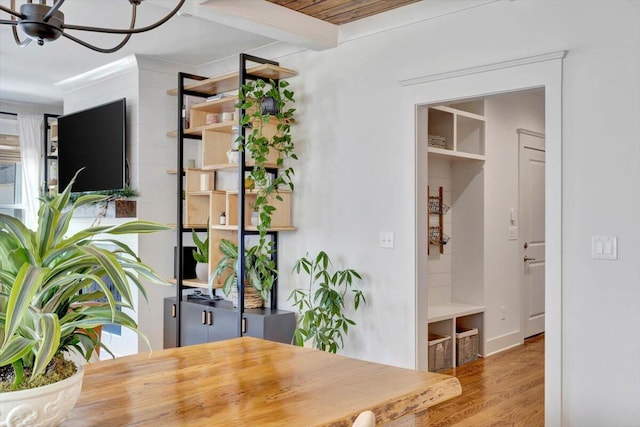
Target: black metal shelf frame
x: 46, y: 129
x: 243, y: 77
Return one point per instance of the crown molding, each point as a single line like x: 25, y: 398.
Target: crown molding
x: 551, y: 56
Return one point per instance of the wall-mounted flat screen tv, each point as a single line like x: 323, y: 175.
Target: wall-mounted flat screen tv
x: 93, y: 139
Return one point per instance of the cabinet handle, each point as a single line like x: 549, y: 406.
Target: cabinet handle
x: 244, y: 325
x: 173, y: 310
x: 209, y: 318
x: 204, y: 317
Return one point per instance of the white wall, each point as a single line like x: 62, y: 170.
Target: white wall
x: 439, y: 271
x: 87, y: 95
x: 356, y: 178
x: 9, y: 106
x: 157, y: 201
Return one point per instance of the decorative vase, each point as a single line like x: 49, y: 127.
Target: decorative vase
x: 46, y: 406
x: 255, y: 218
x: 202, y: 271
x: 125, y: 208
x: 268, y: 105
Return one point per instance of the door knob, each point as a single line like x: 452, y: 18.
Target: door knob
x: 528, y: 258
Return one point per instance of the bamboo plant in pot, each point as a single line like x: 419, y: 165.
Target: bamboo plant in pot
x: 44, y: 313
x: 324, y: 302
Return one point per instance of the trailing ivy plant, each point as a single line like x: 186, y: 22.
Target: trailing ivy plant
x: 259, y: 143
x: 321, y: 305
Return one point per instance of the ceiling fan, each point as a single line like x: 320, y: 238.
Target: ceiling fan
x: 44, y: 23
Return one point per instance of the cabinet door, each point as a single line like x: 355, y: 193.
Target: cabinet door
x: 280, y: 327
x: 224, y: 324
x: 193, y: 327
x: 254, y: 325
x: 170, y: 321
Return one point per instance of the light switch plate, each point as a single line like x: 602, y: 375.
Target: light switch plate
x: 386, y: 239
x: 604, y: 247
x: 513, y: 232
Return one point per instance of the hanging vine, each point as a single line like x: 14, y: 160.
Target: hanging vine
x: 259, y: 144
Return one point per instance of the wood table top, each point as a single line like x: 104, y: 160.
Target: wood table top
x: 252, y: 382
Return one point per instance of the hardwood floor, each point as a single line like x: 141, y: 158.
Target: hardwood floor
x: 506, y: 389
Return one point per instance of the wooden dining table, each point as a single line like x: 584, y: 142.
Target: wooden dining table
x: 250, y: 382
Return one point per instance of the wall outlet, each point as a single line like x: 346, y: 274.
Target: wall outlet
x: 503, y: 311
x: 386, y: 239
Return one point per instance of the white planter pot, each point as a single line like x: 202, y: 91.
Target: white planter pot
x: 202, y: 273
x: 44, y: 406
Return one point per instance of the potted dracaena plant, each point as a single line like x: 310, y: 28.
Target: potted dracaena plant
x: 44, y: 312
x: 267, y: 140
x: 322, y: 303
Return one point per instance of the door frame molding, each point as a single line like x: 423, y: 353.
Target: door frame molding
x: 481, y: 81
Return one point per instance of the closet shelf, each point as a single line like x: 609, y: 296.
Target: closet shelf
x: 451, y: 310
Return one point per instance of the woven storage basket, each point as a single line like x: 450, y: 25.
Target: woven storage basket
x: 439, y: 353
x: 252, y: 297
x: 466, y: 345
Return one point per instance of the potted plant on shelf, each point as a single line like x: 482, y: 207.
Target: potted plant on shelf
x: 201, y: 255
x: 259, y: 143
x: 321, y: 306
x: 123, y: 204
x: 44, y: 314
x: 227, y: 270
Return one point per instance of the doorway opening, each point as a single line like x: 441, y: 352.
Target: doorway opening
x: 481, y: 274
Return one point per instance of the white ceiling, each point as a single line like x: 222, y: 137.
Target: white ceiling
x: 205, y: 31
x: 28, y: 74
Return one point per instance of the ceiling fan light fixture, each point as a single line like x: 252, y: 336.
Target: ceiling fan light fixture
x: 34, y: 26
x: 44, y: 23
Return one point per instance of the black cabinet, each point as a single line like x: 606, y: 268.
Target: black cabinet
x: 169, y: 338
x: 207, y: 321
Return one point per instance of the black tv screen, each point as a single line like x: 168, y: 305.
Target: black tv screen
x: 93, y: 139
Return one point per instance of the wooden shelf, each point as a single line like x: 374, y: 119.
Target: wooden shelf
x: 452, y: 310
x: 255, y: 191
x: 221, y: 105
x: 250, y: 228
x: 454, y: 155
x: 230, y: 81
x: 225, y: 127
x: 222, y: 166
x: 195, y: 283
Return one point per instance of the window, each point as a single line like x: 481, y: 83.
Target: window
x: 10, y: 175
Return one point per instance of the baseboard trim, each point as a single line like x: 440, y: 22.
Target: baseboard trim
x: 502, y: 343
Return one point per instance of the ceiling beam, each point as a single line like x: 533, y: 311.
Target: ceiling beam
x: 268, y: 20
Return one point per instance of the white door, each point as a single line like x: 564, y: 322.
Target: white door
x: 531, y: 183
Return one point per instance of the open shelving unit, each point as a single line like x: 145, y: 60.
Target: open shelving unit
x: 463, y: 131
x: 216, y: 186
x: 455, y: 138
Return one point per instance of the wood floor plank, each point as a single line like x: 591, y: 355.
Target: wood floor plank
x: 506, y: 389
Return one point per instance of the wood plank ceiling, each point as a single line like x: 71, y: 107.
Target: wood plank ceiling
x: 341, y: 11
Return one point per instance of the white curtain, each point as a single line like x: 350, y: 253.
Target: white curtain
x: 30, y: 132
